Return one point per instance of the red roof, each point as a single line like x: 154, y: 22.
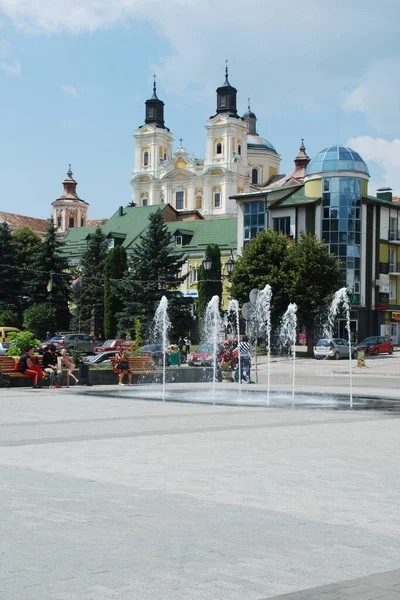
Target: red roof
x: 96, y: 222
x: 18, y: 221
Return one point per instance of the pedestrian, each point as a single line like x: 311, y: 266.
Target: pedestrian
x: 50, y: 366
x: 245, y: 352
x: 188, y: 343
x: 122, y: 367
x: 48, y: 336
x: 29, y: 366
x: 67, y: 362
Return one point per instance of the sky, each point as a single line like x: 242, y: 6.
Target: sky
x: 74, y: 76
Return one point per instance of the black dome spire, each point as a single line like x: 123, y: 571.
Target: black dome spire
x: 155, y: 109
x: 226, y: 97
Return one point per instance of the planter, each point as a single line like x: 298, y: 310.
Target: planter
x: 226, y: 376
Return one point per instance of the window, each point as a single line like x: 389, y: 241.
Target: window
x: 392, y: 261
x: 146, y: 159
x: 239, y: 150
x: 217, y: 200
x: 219, y: 148
x: 110, y: 243
x: 145, y: 202
x: 59, y: 222
x: 71, y: 222
x: 282, y: 225
x: 224, y: 100
x: 179, y: 199
x: 193, y: 275
x: 165, y: 156
x: 254, y: 176
x: 178, y: 240
x: 393, y: 228
x: 392, y: 289
x: 254, y: 220
x: 199, y: 202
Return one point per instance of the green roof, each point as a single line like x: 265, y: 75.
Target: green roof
x: 383, y: 202
x: 298, y: 198
x: 221, y: 231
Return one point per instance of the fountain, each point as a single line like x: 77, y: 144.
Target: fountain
x: 341, y: 298
x: 212, y: 327
x: 233, y: 308
x: 161, y: 326
x: 288, y: 337
x: 263, y: 316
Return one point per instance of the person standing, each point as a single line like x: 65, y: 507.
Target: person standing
x: 245, y: 351
x: 28, y: 366
x: 67, y: 361
x: 50, y: 365
x: 188, y: 343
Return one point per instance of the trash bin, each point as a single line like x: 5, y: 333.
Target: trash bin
x: 360, y: 358
x: 84, y: 374
x: 174, y: 359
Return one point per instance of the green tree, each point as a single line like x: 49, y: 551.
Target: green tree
x: 315, y: 275
x: 154, y: 272
x: 27, y: 244
x: 40, y: 318
x: 115, y: 267
x: 11, y: 276
x: 89, y: 297
x: 19, y: 341
x: 8, y: 318
x: 50, y: 281
x: 264, y: 260
x: 209, y: 283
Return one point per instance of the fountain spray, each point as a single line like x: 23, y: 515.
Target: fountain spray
x: 212, y: 326
x: 263, y: 315
x: 161, y: 327
x: 234, y: 308
x: 288, y: 337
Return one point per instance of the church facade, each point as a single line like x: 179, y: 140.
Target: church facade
x: 236, y: 159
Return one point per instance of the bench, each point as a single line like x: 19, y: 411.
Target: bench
x: 8, y: 372
x: 139, y: 365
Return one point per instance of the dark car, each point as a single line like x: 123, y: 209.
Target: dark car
x: 376, y: 345
x: 156, y: 353
x: 100, y: 360
x: 79, y: 341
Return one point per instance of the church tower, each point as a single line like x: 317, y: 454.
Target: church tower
x: 69, y: 210
x: 153, y: 148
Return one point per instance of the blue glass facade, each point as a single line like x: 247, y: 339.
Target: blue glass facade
x: 341, y: 226
x: 254, y: 219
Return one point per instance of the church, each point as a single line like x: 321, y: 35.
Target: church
x: 237, y: 158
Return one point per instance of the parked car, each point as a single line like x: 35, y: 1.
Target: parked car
x: 203, y: 356
x: 100, y: 360
x: 79, y: 341
x: 334, y: 348
x: 156, y: 353
x: 4, y: 346
x: 376, y: 345
x: 109, y: 345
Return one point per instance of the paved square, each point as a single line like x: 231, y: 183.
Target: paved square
x: 117, y: 499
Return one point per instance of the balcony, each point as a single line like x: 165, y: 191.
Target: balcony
x: 394, y: 268
x: 394, y: 235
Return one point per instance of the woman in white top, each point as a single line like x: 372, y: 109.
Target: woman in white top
x: 245, y: 351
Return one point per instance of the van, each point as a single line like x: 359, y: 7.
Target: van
x: 5, y: 331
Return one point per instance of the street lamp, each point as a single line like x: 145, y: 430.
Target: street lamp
x: 207, y: 263
x: 230, y: 263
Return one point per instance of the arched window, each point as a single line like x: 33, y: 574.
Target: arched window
x: 59, y: 222
x: 146, y: 159
x: 254, y: 176
x: 71, y: 222
x: 239, y: 150
x: 145, y: 202
x: 219, y: 148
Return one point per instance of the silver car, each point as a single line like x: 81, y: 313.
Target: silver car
x: 334, y: 348
x: 4, y: 346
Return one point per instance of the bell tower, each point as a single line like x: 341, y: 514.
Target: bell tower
x: 69, y: 210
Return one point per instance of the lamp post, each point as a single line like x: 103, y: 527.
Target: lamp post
x: 207, y: 263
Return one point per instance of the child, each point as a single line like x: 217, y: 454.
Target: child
x: 70, y: 365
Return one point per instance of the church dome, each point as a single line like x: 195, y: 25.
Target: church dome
x: 249, y: 114
x: 336, y: 158
x: 256, y: 142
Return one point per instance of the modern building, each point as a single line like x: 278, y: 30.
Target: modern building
x: 236, y: 158
x: 362, y: 230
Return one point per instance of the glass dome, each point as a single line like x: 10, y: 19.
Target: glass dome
x: 336, y: 158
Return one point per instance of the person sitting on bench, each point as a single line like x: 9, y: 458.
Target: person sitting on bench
x: 28, y: 366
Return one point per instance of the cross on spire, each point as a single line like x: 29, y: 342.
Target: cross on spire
x: 248, y: 103
x: 226, y: 67
x: 180, y: 142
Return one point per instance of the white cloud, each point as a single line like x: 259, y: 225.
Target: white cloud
x: 378, y: 95
x: 385, y: 153
x: 70, y: 90
x: 10, y: 67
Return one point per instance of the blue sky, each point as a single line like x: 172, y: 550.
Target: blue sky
x: 74, y: 75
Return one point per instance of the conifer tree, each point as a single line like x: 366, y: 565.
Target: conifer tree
x: 115, y: 267
x: 11, y: 293
x: 27, y: 244
x: 154, y: 272
x: 50, y: 282
x: 89, y: 296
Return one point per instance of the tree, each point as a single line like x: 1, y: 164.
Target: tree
x: 315, y: 275
x: 40, y: 318
x: 209, y: 283
x: 11, y: 293
x: 27, y: 244
x: 50, y: 281
x: 154, y: 272
x: 8, y: 318
x: 20, y: 341
x: 115, y: 267
x: 89, y: 297
x: 264, y: 260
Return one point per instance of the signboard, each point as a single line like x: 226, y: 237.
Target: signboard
x: 395, y: 316
x: 191, y: 294
x: 384, y: 283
